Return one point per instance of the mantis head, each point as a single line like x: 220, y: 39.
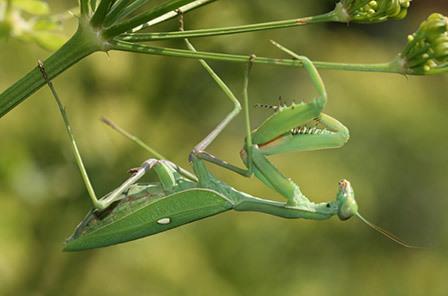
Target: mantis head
x: 347, y: 208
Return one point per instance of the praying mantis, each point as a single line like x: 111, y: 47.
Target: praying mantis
x: 135, y: 210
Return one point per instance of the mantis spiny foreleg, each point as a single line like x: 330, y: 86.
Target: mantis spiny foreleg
x: 282, y: 132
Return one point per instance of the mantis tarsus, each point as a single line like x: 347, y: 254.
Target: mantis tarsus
x: 136, y: 210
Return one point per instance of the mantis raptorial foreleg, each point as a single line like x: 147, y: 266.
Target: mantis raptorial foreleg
x: 283, y: 132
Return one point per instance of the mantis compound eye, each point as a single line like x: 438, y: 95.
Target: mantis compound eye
x: 347, y: 206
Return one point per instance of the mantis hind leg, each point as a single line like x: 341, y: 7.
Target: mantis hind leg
x: 166, y: 170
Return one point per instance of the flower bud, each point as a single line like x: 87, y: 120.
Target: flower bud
x: 371, y: 11
x: 427, y: 49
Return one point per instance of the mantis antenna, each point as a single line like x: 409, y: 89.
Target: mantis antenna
x: 386, y: 233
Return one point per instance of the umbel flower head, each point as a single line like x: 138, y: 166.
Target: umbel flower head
x: 372, y: 11
x: 427, y: 49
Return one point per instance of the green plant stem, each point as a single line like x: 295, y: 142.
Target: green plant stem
x: 131, y: 8
x: 84, y: 7
x: 141, y: 37
x: 78, y: 47
x: 154, y: 50
x: 141, y: 19
x: 100, y: 13
x: 115, y: 11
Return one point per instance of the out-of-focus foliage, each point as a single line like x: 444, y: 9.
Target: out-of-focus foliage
x: 396, y: 160
x: 31, y: 21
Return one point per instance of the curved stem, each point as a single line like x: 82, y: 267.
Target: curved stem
x: 155, y: 50
x: 140, y: 37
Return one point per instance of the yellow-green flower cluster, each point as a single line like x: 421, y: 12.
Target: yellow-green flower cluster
x: 372, y: 11
x: 427, y: 49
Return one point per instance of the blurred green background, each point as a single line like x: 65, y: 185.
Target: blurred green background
x: 396, y: 159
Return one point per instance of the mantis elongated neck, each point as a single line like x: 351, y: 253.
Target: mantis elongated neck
x: 245, y: 202
x: 310, y: 211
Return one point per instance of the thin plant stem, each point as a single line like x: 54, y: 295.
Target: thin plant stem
x: 132, y: 7
x: 141, y: 37
x: 139, y: 21
x: 84, y: 7
x: 174, y: 13
x: 100, y: 13
x: 164, y: 51
x: 115, y: 11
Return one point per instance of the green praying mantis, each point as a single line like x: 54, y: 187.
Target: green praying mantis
x: 135, y: 210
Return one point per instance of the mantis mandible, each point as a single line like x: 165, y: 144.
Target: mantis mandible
x: 135, y: 210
